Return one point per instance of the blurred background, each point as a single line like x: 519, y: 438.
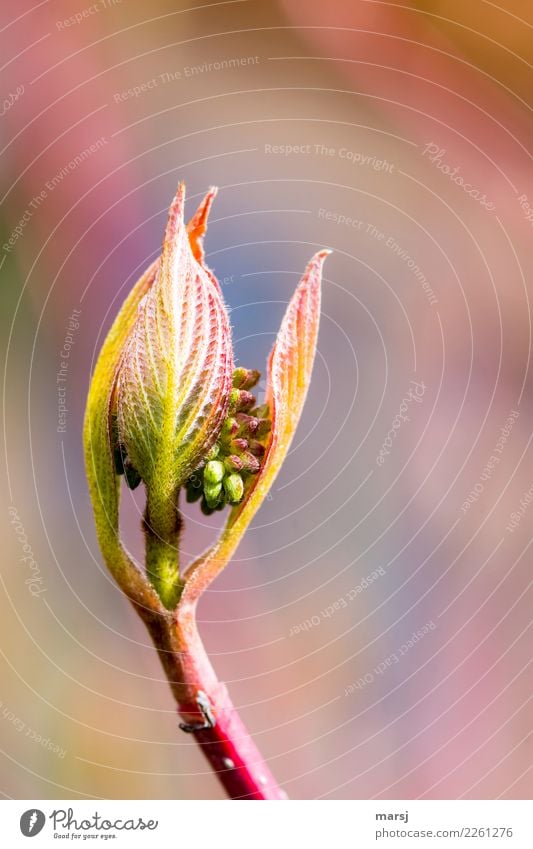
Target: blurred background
x: 373, y: 628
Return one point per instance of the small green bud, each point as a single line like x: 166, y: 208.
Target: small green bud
x: 213, y: 452
x: 234, y: 488
x: 213, y: 472
x: 212, y: 492
x: 245, y: 378
x: 131, y: 475
x: 206, y: 509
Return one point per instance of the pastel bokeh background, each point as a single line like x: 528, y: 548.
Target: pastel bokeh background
x: 399, y: 135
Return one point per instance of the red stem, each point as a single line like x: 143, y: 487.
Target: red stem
x: 231, y: 751
x: 206, y: 709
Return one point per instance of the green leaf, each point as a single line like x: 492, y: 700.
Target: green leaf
x: 173, y: 387
x: 104, y: 483
x: 175, y: 376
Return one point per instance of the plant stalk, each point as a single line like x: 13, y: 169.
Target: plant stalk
x: 205, y: 708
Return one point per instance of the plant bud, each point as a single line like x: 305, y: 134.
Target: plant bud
x: 248, y: 425
x: 166, y: 407
x: 206, y: 509
x: 234, y: 488
x: 213, y: 472
x: 241, y: 400
x: 230, y: 427
x: 264, y: 426
x: 175, y: 373
x: 244, y: 378
x: 239, y: 444
x: 257, y: 448
x: 213, y: 452
x: 212, y: 493
x: 249, y: 462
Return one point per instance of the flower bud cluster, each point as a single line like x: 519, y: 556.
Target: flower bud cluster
x: 237, y: 454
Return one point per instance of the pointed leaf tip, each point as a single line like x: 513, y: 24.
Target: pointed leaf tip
x: 175, y: 217
x: 292, y: 357
x: 197, y: 228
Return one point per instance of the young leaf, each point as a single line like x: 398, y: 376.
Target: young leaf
x: 197, y: 226
x: 104, y: 484
x: 173, y: 389
x: 289, y: 372
x: 175, y: 376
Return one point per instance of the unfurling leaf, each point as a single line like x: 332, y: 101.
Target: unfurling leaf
x: 174, y: 380
x: 158, y: 396
x: 197, y: 227
x: 289, y: 372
